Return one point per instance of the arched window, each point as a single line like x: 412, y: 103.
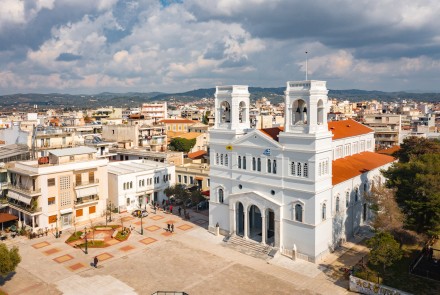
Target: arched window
x: 269, y: 166
x: 299, y: 112
x: 125, y: 186
x: 239, y: 162
x: 298, y: 213
x: 337, y: 204
x: 298, y: 171
x: 347, y: 199
x: 274, y: 170
x: 225, y: 112
x: 292, y: 168
x: 259, y: 165
x: 306, y: 170
x: 131, y: 184
x: 244, y: 162
x: 356, y: 196
x: 221, y: 159
x: 220, y: 195
x: 324, y: 211
x: 242, y: 112
x: 254, y: 164
x: 226, y: 160
x: 365, y: 187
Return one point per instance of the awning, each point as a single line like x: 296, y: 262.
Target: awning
x: 66, y: 211
x: 5, y: 217
x: 19, y: 197
x: 199, y: 178
x: 85, y: 192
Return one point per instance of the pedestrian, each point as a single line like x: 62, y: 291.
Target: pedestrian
x: 180, y: 209
x: 172, y: 227
x: 171, y: 209
x: 163, y: 202
x: 95, y: 261
x: 154, y: 209
x: 169, y: 227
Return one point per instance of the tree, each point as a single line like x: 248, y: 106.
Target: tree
x: 388, y: 216
x: 417, y: 184
x: 182, y: 144
x: 414, y: 147
x: 9, y: 259
x: 179, y: 192
x: 384, y: 250
x: 205, y: 119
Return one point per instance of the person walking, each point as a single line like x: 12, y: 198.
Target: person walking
x: 172, y: 227
x: 169, y: 227
x: 171, y: 209
x: 180, y: 210
x: 95, y: 261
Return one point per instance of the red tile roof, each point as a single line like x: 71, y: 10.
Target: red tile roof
x: 351, y: 166
x: 347, y: 128
x: 272, y: 132
x: 389, y: 151
x: 177, y: 121
x: 197, y: 155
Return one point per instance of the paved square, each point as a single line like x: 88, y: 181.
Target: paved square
x: 112, y: 242
x: 185, y: 227
x: 200, y: 221
x: 127, y: 248
x: 148, y: 241
x: 167, y: 234
x: 51, y: 251
x: 76, y: 266
x: 63, y: 258
x: 156, y: 217
x: 138, y: 222
x: 171, y: 221
x: 152, y: 228
x: 127, y: 218
x: 104, y: 256
x: 40, y: 245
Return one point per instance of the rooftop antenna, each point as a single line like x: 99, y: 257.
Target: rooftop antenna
x: 306, y: 66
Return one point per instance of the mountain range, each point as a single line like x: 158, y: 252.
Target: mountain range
x: 131, y: 99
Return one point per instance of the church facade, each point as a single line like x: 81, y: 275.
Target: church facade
x: 299, y: 187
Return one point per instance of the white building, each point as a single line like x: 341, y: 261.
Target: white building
x: 298, y: 187
x: 66, y: 188
x: 135, y: 183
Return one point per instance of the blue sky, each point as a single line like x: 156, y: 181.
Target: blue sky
x: 83, y: 46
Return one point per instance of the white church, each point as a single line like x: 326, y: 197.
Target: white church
x: 298, y: 187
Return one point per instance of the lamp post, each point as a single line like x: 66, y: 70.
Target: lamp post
x: 142, y: 228
x: 56, y: 228
x: 85, y: 236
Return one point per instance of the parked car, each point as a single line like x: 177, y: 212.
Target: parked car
x: 203, y: 205
x: 136, y: 213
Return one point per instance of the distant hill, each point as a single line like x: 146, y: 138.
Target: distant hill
x: 130, y: 99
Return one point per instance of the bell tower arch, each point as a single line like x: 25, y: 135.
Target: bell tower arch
x: 232, y: 107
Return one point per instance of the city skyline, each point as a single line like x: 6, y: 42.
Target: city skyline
x: 173, y: 46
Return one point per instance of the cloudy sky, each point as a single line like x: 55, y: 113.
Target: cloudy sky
x: 90, y: 46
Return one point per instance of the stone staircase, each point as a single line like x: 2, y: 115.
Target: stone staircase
x: 249, y: 247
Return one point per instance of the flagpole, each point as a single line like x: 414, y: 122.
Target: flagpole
x: 306, y: 67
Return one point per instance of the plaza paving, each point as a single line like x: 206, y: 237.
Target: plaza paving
x: 190, y: 259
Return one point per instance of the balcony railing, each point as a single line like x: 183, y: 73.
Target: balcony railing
x: 83, y: 183
x: 22, y: 206
x: 84, y: 200
x: 24, y: 190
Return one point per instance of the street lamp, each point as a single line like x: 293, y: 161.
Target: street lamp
x: 142, y: 228
x: 85, y: 236
x: 56, y: 228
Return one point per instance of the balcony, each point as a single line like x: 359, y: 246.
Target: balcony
x: 86, y: 200
x: 20, y: 206
x: 86, y: 183
x: 23, y: 190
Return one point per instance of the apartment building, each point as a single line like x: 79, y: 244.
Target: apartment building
x: 134, y: 184
x: 67, y: 187
x: 387, y: 129
x: 155, y: 111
